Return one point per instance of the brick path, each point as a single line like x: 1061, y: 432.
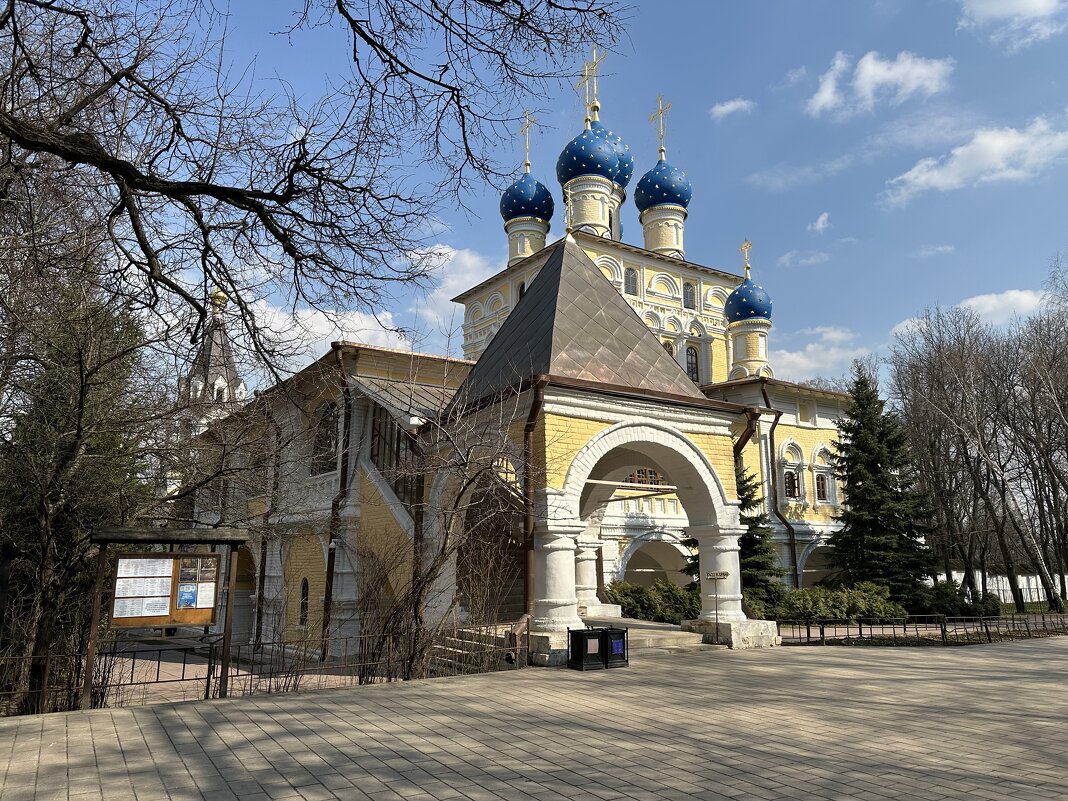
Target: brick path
x: 985, y: 722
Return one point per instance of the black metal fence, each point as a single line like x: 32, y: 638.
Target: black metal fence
x: 921, y: 630
x: 131, y: 673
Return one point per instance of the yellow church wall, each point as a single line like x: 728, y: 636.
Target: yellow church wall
x: 564, y: 437
x: 383, y: 546
x: 304, y: 560
x: 719, y: 450
x: 807, y: 438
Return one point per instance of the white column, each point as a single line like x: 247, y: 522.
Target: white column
x: 718, y: 549
x: 586, y: 574
x: 555, y: 602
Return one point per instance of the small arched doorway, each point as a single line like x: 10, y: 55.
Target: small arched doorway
x: 651, y: 556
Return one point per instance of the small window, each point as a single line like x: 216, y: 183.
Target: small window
x: 522, y: 289
x: 821, y: 487
x: 805, y: 412
x: 689, y: 296
x: 324, y: 444
x: 220, y: 394
x: 302, y: 619
x: 670, y: 348
x: 630, y: 281
x: 791, y: 485
x: 691, y: 364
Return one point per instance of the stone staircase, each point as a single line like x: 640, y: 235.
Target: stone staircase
x: 646, y: 637
x: 477, y: 649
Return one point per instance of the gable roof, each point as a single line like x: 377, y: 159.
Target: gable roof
x: 572, y: 323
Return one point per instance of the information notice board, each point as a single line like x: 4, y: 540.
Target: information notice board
x: 157, y: 589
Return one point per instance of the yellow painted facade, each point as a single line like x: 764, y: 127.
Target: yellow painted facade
x: 383, y: 545
x: 303, y: 555
x: 563, y: 437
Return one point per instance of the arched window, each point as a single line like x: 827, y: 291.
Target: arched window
x: 522, y: 289
x: 689, y: 296
x: 324, y: 444
x: 630, y: 281
x: 791, y: 484
x: 645, y: 475
x: 670, y: 348
x: 220, y: 394
x: 821, y: 487
x: 691, y: 364
x: 302, y: 619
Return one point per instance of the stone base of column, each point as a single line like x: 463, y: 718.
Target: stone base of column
x: 600, y: 610
x: 736, y: 633
x: 548, y: 650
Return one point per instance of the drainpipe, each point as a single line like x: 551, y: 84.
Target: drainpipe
x: 338, y: 501
x: 752, y: 416
x: 536, y: 404
x: 774, y: 467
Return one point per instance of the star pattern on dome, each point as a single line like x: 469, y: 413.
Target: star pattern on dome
x: 663, y: 185
x: 748, y: 301
x: 527, y: 197
x: 596, y: 151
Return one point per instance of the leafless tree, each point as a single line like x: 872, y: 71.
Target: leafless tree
x: 206, y: 178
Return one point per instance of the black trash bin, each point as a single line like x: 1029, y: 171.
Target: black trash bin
x: 585, y: 649
x: 615, y: 648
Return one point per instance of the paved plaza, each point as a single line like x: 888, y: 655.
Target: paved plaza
x: 983, y: 722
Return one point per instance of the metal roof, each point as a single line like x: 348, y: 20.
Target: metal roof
x: 572, y: 323
x: 403, y: 399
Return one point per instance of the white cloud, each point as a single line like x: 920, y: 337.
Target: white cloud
x: 996, y: 308
x: 738, y: 105
x: 877, y: 79
x: 900, y: 79
x: 305, y: 334
x: 830, y: 353
x: 828, y: 97
x: 822, y: 223
x: 782, y: 177
x: 795, y: 76
x: 929, y: 251
x: 992, y: 155
x: 792, y: 257
x: 457, y: 270
x: 999, y: 308
x: 1015, y: 23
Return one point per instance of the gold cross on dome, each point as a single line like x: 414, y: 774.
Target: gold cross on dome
x: 529, y: 121
x: 588, y: 81
x: 745, y: 248
x: 658, y: 117
x: 584, y: 84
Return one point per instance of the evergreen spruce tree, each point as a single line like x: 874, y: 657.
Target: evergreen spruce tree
x: 883, y: 522
x: 762, y: 589
x: 760, y: 572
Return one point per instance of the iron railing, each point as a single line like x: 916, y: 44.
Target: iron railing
x: 131, y: 673
x: 921, y: 630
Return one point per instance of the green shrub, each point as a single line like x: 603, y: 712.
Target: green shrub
x: 864, y: 600
x: 989, y: 605
x: 663, y: 602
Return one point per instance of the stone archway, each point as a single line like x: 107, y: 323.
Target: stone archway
x: 713, y: 519
x: 813, y: 563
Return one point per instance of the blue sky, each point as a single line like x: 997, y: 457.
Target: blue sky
x: 882, y: 156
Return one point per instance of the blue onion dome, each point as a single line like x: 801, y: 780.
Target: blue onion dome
x: 589, y: 153
x: 663, y: 185
x: 527, y: 197
x: 625, y: 168
x: 747, y: 302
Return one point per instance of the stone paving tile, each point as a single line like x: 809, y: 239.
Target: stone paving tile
x: 984, y: 722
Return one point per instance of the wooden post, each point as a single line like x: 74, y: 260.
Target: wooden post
x: 228, y: 625
x: 94, y: 628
